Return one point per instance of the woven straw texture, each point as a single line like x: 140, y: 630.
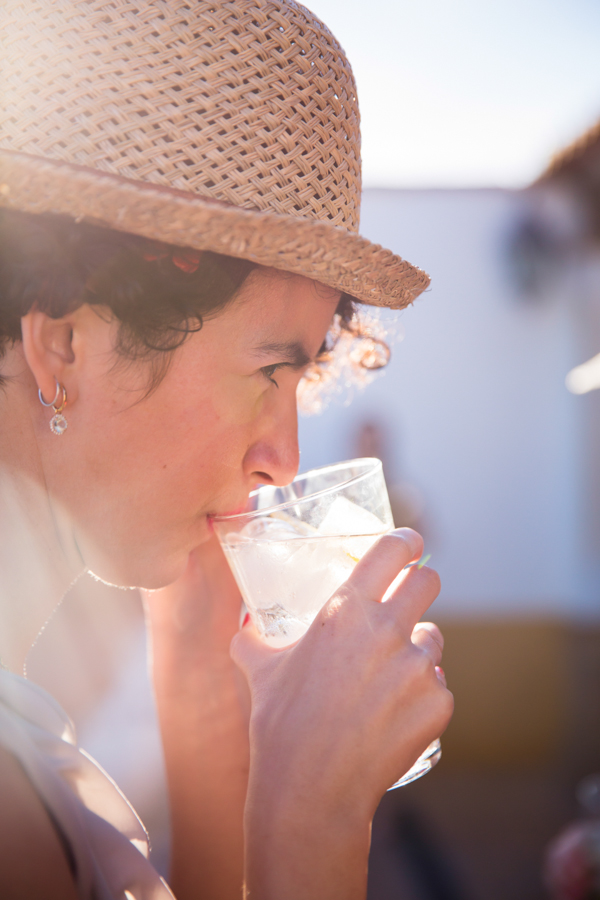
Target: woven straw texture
x: 219, y: 125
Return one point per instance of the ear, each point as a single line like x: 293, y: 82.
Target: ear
x: 48, y: 350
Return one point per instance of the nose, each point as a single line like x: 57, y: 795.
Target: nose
x: 274, y: 456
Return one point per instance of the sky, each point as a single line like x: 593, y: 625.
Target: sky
x: 468, y: 93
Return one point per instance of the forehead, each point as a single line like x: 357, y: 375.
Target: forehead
x: 271, y: 300
x: 277, y: 289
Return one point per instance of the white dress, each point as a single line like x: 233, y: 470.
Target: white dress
x: 105, y: 842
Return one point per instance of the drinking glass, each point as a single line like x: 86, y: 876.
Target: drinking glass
x: 293, y: 547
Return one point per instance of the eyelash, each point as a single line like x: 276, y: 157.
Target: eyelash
x: 269, y: 371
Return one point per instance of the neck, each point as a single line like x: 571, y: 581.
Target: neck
x: 35, y: 569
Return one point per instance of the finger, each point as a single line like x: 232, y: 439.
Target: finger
x: 424, y: 636
x: 248, y: 651
x: 411, y: 596
x: 433, y: 630
x: 382, y: 563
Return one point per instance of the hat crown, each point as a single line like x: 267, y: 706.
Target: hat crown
x: 251, y: 102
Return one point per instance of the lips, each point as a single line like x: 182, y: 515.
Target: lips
x: 232, y: 511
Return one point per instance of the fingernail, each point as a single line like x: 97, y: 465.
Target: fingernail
x: 441, y: 675
x: 246, y: 620
x: 419, y: 563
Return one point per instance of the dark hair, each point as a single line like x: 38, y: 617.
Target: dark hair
x: 159, y: 293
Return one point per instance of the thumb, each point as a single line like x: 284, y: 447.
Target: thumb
x: 248, y: 651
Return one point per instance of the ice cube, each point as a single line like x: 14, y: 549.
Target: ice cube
x: 344, y: 517
x: 269, y: 528
x: 314, y: 569
x: 262, y: 573
x: 278, y: 626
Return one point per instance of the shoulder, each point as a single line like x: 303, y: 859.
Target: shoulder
x: 32, y: 859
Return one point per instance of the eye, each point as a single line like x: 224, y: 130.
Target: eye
x: 269, y: 371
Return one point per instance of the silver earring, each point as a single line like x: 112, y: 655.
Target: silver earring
x: 58, y: 423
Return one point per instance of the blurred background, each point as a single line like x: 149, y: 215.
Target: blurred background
x: 481, y: 127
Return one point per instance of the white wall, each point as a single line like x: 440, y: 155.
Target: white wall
x: 477, y: 411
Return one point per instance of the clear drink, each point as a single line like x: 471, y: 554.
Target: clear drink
x: 286, y: 574
x: 296, y: 545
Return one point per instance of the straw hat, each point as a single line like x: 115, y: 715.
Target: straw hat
x: 223, y: 125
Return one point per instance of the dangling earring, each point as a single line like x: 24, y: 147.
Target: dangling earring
x: 58, y: 423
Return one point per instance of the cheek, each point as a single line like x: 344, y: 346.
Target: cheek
x: 236, y: 401
x: 208, y: 428
x: 187, y: 438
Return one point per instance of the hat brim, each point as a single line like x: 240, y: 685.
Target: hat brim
x: 326, y: 253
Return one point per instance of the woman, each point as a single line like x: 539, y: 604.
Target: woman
x: 181, y: 185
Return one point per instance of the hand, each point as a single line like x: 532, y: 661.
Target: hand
x: 363, y: 668
x: 340, y: 716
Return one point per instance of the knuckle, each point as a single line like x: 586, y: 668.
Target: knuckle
x: 428, y: 580
x: 347, y: 592
x: 393, y: 546
x: 437, y: 635
x: 412, y: 540
x: 433, y: 631
x: 432, y: 648
x: 408, y: 534
x: 331, y: 613
x: 420, y: 666
x: 340, y: 606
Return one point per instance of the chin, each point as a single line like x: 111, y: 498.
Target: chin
x: 154, y: 569
x: 147, y: 577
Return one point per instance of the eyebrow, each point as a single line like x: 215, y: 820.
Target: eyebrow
x: 293, y: 353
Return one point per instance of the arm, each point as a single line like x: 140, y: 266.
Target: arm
x: 203, y: 709
x: 32, y: 858
x: 336, y: 719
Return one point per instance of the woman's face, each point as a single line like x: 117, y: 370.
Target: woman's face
x: 138, y: 476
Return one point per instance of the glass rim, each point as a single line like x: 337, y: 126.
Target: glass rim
x: 371, y: 463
